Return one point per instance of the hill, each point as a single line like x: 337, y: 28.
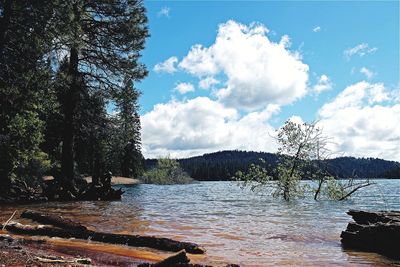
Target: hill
x: 223, y: 165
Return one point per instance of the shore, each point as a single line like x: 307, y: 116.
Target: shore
x: 30, y: 251
x: 115, y: 180
x: 22, y: 247
x: 118, y: 180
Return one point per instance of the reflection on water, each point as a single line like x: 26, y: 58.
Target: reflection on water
x: 235, y: 225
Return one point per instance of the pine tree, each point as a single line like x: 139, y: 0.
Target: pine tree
x: 127, y: 137
x: 24, y: 79
x: 103, y: 40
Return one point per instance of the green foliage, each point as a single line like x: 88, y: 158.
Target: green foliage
x: 167, y: 171
x: 255, y: 177
x: 125, y: 150
x: 289, y: 175
x: 301, y: 153
x: 297, y: 147
x: 61, y: 64
x: 104, y: 40
x: 24, y: 76
x: 21, y: 148
x: 297, y: 143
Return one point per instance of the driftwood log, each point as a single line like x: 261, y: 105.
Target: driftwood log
x: 165, y: 244
x: 66, y: 228
x: 58, y: 226
x: 55, y: 220
x: 373, y: 231
x: 178, y: 260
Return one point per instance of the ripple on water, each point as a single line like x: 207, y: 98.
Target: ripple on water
x: 232, y: 224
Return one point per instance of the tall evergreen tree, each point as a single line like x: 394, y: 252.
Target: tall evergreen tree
x: 24, y: 79
x: 127, y: 141
x: 103, y: 40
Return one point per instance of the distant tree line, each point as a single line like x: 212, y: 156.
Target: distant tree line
x: 68, y: 105
x: 222, y: 166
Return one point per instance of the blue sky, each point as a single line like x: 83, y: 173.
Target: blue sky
x: 332, y: 61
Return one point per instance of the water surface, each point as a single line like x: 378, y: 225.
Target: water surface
x: 236, y: 225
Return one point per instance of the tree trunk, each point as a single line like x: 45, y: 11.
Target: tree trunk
x: 70, y: 103
x: 321, y: 181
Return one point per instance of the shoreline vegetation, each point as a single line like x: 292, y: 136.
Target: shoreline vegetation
x: 167, y: 171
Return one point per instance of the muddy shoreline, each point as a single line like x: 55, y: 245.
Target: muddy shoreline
x: 63, y: 242
x: 18, y: 251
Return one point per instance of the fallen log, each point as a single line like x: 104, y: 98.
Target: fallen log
x: 62, y: 260
x: 165, y: 244
x: 54, y: 220
x: 374, y: 232
x: 178, y: 260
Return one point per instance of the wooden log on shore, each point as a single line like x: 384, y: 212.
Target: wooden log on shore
x: 165, y: 244
x: 54, y: 220
x: 373, y: 231
x: 178, y: 260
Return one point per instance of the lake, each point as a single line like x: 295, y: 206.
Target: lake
x: 235, y: 225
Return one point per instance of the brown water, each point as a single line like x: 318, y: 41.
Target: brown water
x: 234, y: 226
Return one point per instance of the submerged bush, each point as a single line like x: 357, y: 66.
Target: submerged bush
x: 166, y: 171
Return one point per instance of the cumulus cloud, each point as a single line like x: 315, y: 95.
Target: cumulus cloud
x: 323, y: 84
x: 258, y: 71
x: 208, y: 82
x: 361, y: 50
x: 367, y: 72
x: 167, y: 66
x: 164, y: 12
x: 184, y: 88
x: 316, y: 29
x: 200, y: 61
x: 201, y: 125
x: 363, y: 122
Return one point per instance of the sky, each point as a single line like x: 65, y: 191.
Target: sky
x: 227, y: 74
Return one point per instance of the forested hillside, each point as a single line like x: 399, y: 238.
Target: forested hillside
x: 224, y: 164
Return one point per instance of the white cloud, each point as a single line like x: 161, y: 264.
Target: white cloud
x: 363, y: 122
x: 184, y: 88
x: 367, y: 72
x: 361, y: 50
x: 296, y: 119
x: 208, y: 82
x: 164, y: 12
x: 316, y: 29
x: 323, y: 84
x: 167, y: 66
x: 200, y: 61
x: 258, y: 71
x: 355, y: 96
x: 201, y: 125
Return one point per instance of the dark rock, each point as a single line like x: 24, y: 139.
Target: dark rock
x: 373, y: 231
